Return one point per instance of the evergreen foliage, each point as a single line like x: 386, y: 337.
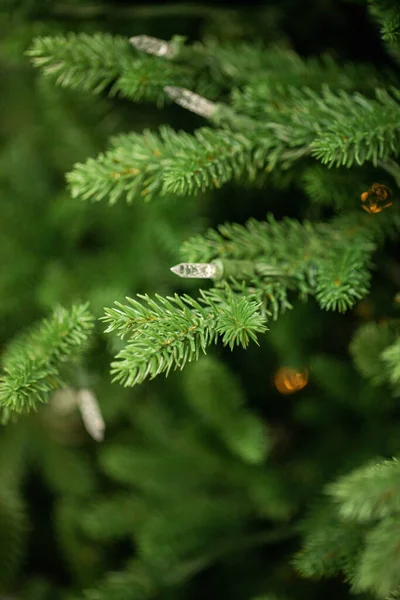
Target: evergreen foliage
x: 339, y: 129
x: 170, y: 163
x: 387, y: 14
x: 208, y: 470
x: 367, y: 345
x: 159, y: 342
x: 32, y: 363
x: 361, y: 535
x: 83, y: 62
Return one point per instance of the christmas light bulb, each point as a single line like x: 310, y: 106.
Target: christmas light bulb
x: 191, y: 101
x: 197, y: 270
x: 288, y: 380
x: 152, y: 45
x: 91, y: 414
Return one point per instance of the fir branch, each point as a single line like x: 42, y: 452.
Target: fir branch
x: 82, y: 61
x: 229, y: 548
x: 31, y: 366
x: 369, y: 493
x: 330, y: 261
x: 343, y: 278
x: 238, y: 322
x: 337, y: 128
x: 147, y: 76
x: 269, y: 71
x: 208, y: 160
x: 174, y: 330
x: 389, y: 165
x: 275, y: 71
x: 387, y: 14
x: 378, y: 568
x: 366, y: 348
x: 101, y: 62
x: 163, y: 473
x: 132, y: 168
x: 168, y: 163
x: 98, y: 62
x: 271, y: 294
x: 141, y: 581
x: 340, y: 188
x: 262, y: 240
x: 206, y: 382
x: 186, y: 530
x: 136, y: 318
x: 385, y: 227
x: 164, y: 335
x: 240, y: 61
x: 359, y: 130
x: 329, y: 545
x: 338, y: 538
x: 391, y: 359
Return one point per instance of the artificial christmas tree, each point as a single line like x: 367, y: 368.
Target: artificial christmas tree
x: 271, y: 461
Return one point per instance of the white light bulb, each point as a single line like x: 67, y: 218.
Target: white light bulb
x: 191, y: 101
x: 91, y: 414
x: 197, y: 270
x: 152, y: 45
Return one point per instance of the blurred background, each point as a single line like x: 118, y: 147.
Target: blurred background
x: 180, y: 495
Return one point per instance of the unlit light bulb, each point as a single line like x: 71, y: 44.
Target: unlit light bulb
x: 152, y: 45
x: 197, y: 270
x: 191, y: 101
x: 91, y: 414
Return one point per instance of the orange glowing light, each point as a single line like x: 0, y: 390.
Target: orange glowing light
x: 289, y: 381
x: 374, y: 200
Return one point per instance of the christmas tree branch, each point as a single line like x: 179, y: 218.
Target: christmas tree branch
x: 241, y: 431
x: 338, y: 129
x: 82, y: 61
x: 138, y: 582
x: 172, y: 331
x: 319, y: 259
x: 387, y: 14
x: 276, y: 71
x: 328, y: 544
x: 357, y: 532
x: 32, y: 364
x: 170, y: 162
x: 367, y: 346
x: 368, y: 493
x: 361, y: 130
x: 102, y: 62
